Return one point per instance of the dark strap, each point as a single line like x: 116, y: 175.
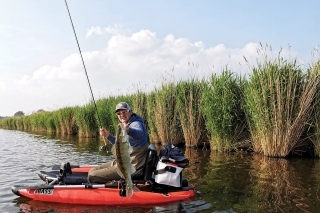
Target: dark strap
x: 166, y: 169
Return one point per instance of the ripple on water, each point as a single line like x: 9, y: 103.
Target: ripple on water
x: 228, y: 182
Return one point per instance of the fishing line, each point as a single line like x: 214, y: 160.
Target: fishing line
x: 85, y: 70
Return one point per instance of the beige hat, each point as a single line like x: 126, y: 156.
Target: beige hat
x: 122, y: 105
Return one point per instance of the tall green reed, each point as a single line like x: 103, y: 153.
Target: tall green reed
x: 188, y: 106
x: 67, y: 122
x: 315, y: 129
x: 279, y: 100
x: 86, y: 122
x: 37, y: 121
x: 151, y: 118
x: 106, y: 113
x: 166, y: 115
x: 224, y: 116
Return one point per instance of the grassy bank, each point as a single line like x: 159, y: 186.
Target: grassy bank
x: 274, y: 110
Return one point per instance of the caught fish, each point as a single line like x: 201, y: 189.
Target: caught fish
x: 121, y: 151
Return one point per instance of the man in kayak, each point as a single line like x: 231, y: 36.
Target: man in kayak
x: 138, y: 139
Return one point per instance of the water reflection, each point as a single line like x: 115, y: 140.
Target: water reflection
x: 198, y: 159
x: 254, y: 183
x: 32, y: 206
x: 280, y: 186
x: 41, y: 207
x: 230, y: 183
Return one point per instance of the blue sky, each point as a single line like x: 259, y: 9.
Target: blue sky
x: 129, y: 43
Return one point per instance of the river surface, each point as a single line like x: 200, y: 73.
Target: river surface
x: 229, y: 183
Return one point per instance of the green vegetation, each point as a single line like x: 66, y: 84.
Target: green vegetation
x: 221, y: 106
x: 280, y: 99
x: 188, y: 105
x: 315, y: 123
x: 166, y: 115
x: 275, y: 110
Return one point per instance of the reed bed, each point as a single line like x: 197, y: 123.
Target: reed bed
x: 19, y: 123
x: 315, y: 128
x: 49, y: 121
x: 279, y: 101
x: 86, y: 122
x: 139, y: 104
x: 224, y: 116
x: 166, y: 114
x: 37, y: 122
x: 9, y: 123
x: 67, y: 123
x: 106, y: 113
x: 188, y: 106
x: 275, y: 110
x: 151, y: 122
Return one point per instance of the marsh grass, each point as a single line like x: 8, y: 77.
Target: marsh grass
x: 139, y: 104
x: 276, y: 110
x: 49, y: 121
x: 106, y: 113
x: 9, y: 123
x: 279, y: 100
x: 224, y: 116
x: 86, y: 122
x: 166, y: 115
x: 188, y: 106
x: 67, y: 121
x: 315, y: 129
x: 152, y: 129
x: 19, y: 123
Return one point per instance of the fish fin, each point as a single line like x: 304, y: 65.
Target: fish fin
x: 135, y: 189
x: 130, y: 149
x: 133, y: 170
x: 130, y: 191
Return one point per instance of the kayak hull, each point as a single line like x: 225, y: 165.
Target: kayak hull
x: 80, y: 194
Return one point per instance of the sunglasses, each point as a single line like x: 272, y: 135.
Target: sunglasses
x: 122, y: 112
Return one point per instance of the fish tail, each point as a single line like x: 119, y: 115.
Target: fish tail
x: 135, y: 189
x: 129, y: 192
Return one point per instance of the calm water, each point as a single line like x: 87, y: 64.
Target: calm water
x: 224, y: 182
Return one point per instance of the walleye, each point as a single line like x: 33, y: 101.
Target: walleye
x: 121, y: 151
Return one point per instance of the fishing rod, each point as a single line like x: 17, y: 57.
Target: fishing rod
x: 85, y: 70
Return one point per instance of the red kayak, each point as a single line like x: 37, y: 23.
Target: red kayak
x: 100, y: 195
x: 68, y: 184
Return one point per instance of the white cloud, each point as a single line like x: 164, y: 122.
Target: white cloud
x: 126, y: 61
x: 111, y: 30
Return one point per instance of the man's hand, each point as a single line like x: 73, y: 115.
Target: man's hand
x: 125, y: 126
x: 104, y: 132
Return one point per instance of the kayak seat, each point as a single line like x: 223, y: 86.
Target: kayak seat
x: 151, y: 161
x: 145, y: 172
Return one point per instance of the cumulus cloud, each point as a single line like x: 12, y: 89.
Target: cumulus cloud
x: 126, y: 61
